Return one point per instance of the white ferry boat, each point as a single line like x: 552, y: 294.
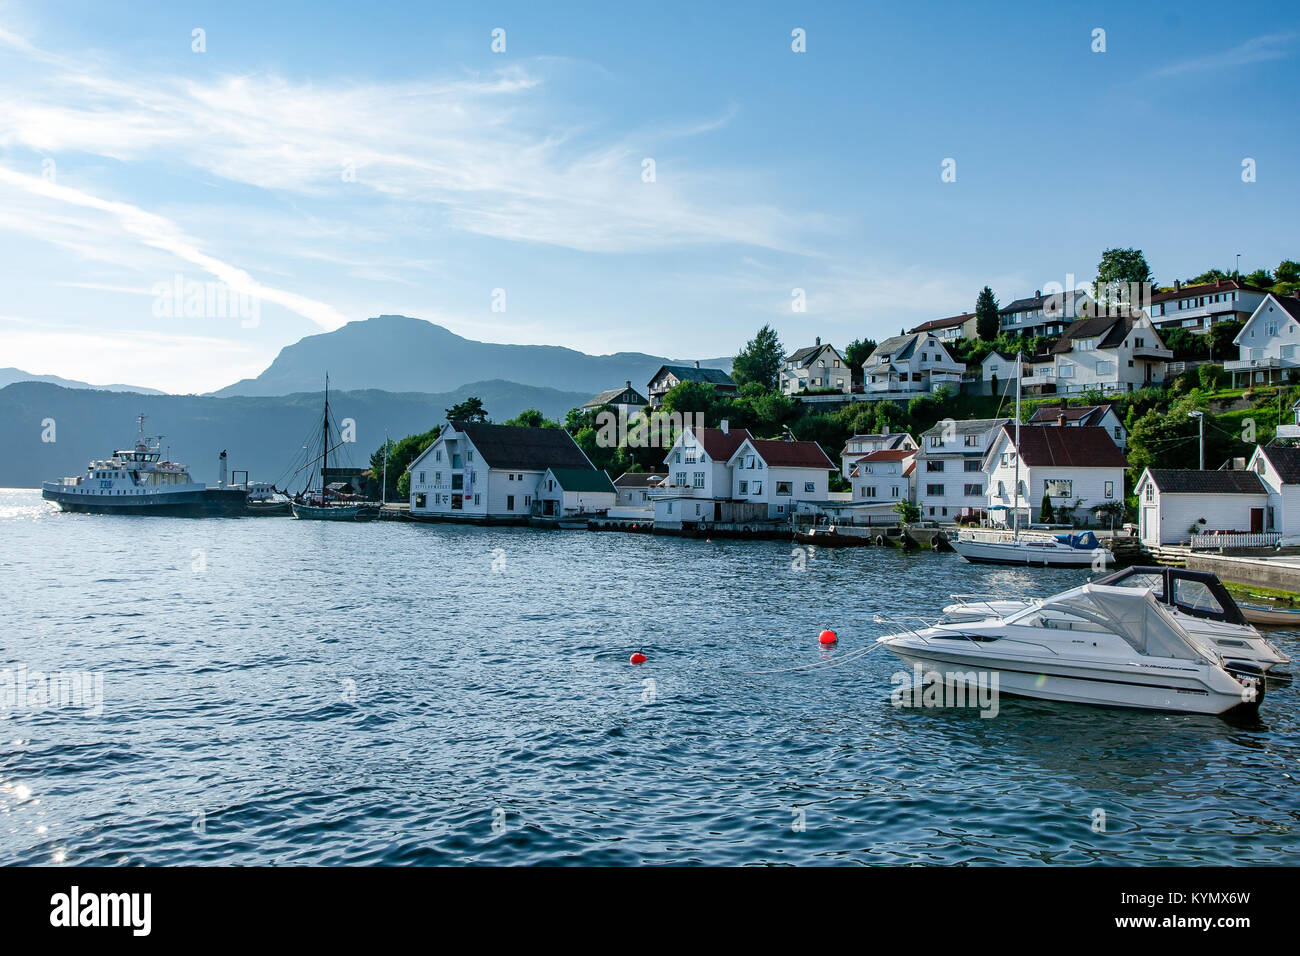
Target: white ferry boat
x: 137, y: 481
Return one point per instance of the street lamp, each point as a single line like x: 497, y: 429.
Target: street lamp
x: 1200, y: 418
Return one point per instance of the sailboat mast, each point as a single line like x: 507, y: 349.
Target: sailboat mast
x: 383, y: 488
x: 1015, y: 499
x: 325, y: 431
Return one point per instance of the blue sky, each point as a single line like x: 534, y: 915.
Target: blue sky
x: 342, y: 160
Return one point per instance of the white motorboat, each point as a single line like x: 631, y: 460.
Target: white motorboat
x: 1196, y: 599
x: 1034, y: 548
x: 1096, y: 644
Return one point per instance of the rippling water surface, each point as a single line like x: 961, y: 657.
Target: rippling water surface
x: 280, y: 691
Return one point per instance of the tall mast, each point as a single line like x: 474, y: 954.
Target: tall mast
x: 1015, y: 499
x: 383, y: 488
x: 325, y: 431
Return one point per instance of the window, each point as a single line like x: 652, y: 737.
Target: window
x: 457, y: 482
x: 421, y: 477
x: 1058, y: 488
x: 784, y: 488
x: 469, y: 455
x: 809, y: 487
x: 972, y: 464
x: 934, y: 466
x: 478, y: 499
x: 1105, y: 368
x: 1067, y: 370
x: 743, y: 488
x: 934, y: 490
x: 869, y: 491
x: 510, y: 502
x: 680, y: 479
x: 974, y: 491
x: 758, y: 487
x: 678, y: 459
x: 971, y: 441
x: 699, y: 479
x: 1118, y: 432
x: 1151, y: 492
x: 437, y: 455
x: 1110, y: 489
x: 936, y: 441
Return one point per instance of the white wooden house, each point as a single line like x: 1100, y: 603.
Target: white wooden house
x: 881, y: 479
x: 1105, y: 353
x: 1079, y: 469
x: 1198, y: 307
x: 670, y: 376
x: 858, y: 445
x: 488, y: 473
x: 564, y: 492
x: 815, y: 368
x: 1268, y: 343
x: 950, y: 478
x: 909, y: 364
x: 1075, y: 416
x: 1278, y: 468
x: 780, y: 474
x: 698, y: 476
x: 626, y: 401
x: 1174, y: 501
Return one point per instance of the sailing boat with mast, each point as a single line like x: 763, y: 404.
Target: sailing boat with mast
x: 320, y: 506
x: 1040, y: 548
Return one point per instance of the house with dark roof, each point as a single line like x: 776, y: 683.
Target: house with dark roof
x: 670, y: 376
x: 780, y: 474
x: 627, y: 401
x: 1066, y: 416
x: 1198, y: 307
x: 909, y: 364
x: 489, y: 473
x: 1267, y: 343
x: 1048, y: 315
x: 565, y: 492
x: 1105, y: 353
x: 815, y: 368
x: 1078, y: 469
x: 952, y: 328
x: 1175, y: 503
x: 1278, y: 467
x: 634, y: 487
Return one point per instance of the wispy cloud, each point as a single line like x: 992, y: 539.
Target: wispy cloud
x: 1274, y: 46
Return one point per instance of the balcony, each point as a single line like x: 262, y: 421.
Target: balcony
x: 676, y: 491
x: 1241, y: 365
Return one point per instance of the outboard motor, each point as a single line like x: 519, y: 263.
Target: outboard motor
x: 1252, y: 679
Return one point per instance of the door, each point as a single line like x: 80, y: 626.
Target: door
x: 1256, y: 520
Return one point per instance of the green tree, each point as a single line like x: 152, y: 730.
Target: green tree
x: 1260, y: 278
x: 1221, y: 337
x: 859, y: 351
x: 404, y: 486
x: 1045, y: 509
x: 761, y: 359
x: 908, y: 511
x: 470, y: 411
x: 532, y: 418
x: 1117, y: 271
x: 986, y: 315
x: 1209, y: 275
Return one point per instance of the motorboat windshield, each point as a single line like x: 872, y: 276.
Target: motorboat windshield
x: 1131, y: 613
x: 1199, y: 593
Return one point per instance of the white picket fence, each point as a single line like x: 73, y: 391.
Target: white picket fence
x: 1217, y: 542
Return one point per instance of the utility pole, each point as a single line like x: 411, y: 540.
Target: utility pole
x: 1237, y: 274
x: 1200, y: 418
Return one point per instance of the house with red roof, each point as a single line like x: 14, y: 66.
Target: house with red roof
x: 1079, y: 469
x: 881, y: 479
x: 699, y: 476
x: 1198, y: 307
x: 780, y: 474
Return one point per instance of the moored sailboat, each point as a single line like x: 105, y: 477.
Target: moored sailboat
x: 322, y: 505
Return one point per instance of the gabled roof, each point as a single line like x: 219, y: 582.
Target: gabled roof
x: 689, y: 373
x: 951, y: 322
x: 608, y: 396
x: 1206, y: 288
x: 582, y: 479
x: 896, y: 347
x: 1109, y: 331
x: 790, y: 454
x: 1084, y: 447
x: 892, y: 440
x: 1285, y: 460
x: 719, y: 445
x: 804, y: 356
x: 1189, y: 481
x: 967, y: 426
x: 527, y: 449
x: 1288, y: 304
x: 1083, y: 414
x: 1055, y: 300
x: 888, y: 454
x: 639, y: 479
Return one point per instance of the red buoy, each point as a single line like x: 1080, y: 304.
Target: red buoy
x: 828, y: 637
x: 637, y: 658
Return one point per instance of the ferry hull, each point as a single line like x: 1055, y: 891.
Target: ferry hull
x: 202, y: 503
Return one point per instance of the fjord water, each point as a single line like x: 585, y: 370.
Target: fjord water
x: 290, y: 692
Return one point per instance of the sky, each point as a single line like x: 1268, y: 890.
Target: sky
x: 612, y: 177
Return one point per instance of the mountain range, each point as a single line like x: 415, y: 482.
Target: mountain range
x: 262, y: 434
x: 401, y: 354
x: 10, y: 375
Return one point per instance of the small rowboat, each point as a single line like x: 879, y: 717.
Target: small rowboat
x: 1274, y: 616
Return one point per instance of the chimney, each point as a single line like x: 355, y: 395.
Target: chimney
x: 1060, y: 418
x: 1178, y: 284
x: 697, y: 363
x: 628, y: 383
x: 885, y: 430
x: 1038, y: 293
x: 725, y: 426
x: 818, y: 341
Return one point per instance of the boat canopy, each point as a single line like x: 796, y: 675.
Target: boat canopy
x: 1085, y: 541
x: 1134, y: 615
